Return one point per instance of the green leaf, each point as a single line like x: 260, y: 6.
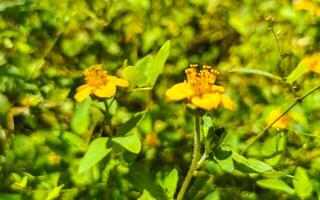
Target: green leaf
x: 146, y: 196
x: 81, y: 119
x: 275, y: 184
x: 226, y: 164
x: 249, y: 165
x: 247, y: 70
x: 170, y: 183
x: 272, y: 148
x: 54, y: 193
x: 158, y: 63
x: 132, y: 142
x: 147, y: 70
x: 97, y: 150
x: 301, y: 183
x: 135, y: 76
x: 131, y: 123
x: 297, y: 72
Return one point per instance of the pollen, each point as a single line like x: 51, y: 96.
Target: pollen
x: 95, y: 76
x: 202, y: 80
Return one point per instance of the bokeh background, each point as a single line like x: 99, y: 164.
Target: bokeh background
x: 46, y: 44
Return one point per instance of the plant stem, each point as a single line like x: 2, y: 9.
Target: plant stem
x: 195, y: 158
x: 265, y: 130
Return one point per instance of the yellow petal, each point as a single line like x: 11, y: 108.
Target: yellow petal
x: 106, y: 91
x: 82, y: 92
x: 179, y: 91
x: 207, y: 101
x: 81, y: 87
x: 217, y: 88
x: 227, y: 103
x: 118, y: 81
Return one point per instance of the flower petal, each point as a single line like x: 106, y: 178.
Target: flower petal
x: 207, y: 101
x: 227, y: 102
x: 82, y: 92
x: 118, y: 81
x: 217, y: 88
x: 81, y: 87
x: 179, y: 91
x: 106, y: 91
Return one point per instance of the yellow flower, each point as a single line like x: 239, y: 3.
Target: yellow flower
x: 199, y: 89
x: 99, y: 83
x: 312, y: 62
x: 282, y: 123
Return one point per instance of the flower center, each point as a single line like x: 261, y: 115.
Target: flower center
x: 201, y: 81
x: 95, y: 76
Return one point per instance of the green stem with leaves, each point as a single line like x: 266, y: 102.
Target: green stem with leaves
x: 265, y: 130
x: 195, y: 158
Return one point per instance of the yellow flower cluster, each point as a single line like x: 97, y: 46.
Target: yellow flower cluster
x: 99, y: 83
x: 307, y: 5
x: 200, y: 90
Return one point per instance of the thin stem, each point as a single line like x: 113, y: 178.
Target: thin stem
x: 265, y: 130
x: 195, y: 158
x: 280, y: 51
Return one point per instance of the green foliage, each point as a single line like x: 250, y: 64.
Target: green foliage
x: 81, y: 118
x: 140, y: 146
x: 302, y: 184
x: 97, y: 150
x: 275, y: 184
x: 131, y: 142
x: 147, y: 70
x: 301, y: 69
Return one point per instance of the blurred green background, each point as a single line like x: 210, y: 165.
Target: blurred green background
x: 46, y: 44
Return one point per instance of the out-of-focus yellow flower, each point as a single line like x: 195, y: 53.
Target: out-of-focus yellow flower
x: 312, y: 62
x: 307, y: 5
x: 99, y: 83
x: 282, y: 123
x: 199, y: 89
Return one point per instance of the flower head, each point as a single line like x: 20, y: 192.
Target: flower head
x: 282, y: 123
x: 99, y: 83
x: 199, y: 89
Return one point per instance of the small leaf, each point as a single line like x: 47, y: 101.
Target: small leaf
x: 170, y: 183
x: 302, y: 184
x: 132, y: 142
x: 146, y: 196
x: 97, y: 150
x: 158, y: 63
x: 275, y: 184
x: 54, y: 193
x: 255, y: 71
x: 226, y: 164
x: 297, y: 72
x: 81, y: 118
x: 131, y: 123
x: 250, y: 165
x: 135, y: 76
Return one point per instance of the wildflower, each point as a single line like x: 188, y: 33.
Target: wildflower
x: 282, y: 123
x: 199, y: 89
x: 99, y: 83
x: 312, y: 62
